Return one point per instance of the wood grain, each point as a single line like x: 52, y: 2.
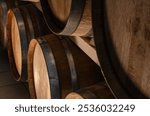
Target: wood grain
x: 41, y: 79
x: 129, y: 26
x: 86, y: 48
x: 16, y: 45
x: 60, y: 8
x: 85, y: 24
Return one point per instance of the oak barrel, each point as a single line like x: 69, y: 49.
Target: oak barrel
x: 68, y: 17
x: 5, y: 5
x: 56, y: 66
x: 96, y: 91
x: 122, y: 37
x: 23, y: 24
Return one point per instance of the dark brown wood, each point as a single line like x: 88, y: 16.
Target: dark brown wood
x: 23, y: 24
x: 3, y: 13
x: 68, y: 17
x: 121, y: 29
x: 66, y: 67
x: 96, y: 91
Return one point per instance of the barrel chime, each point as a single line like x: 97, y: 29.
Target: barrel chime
x: 41, y: 51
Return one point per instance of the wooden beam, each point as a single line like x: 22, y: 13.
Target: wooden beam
x: 84, y: 45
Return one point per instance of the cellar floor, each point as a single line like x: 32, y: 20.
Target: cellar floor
x: 9, y: 88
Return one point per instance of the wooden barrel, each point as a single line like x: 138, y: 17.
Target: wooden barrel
x: 56, y: 66
x: 68, y: 17
x: 5, y: 5
x: 122, y: 35
x: 96, y: 91
x: 23, y: 24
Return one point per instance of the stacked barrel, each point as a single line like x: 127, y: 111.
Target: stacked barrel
x: 39, y: 33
